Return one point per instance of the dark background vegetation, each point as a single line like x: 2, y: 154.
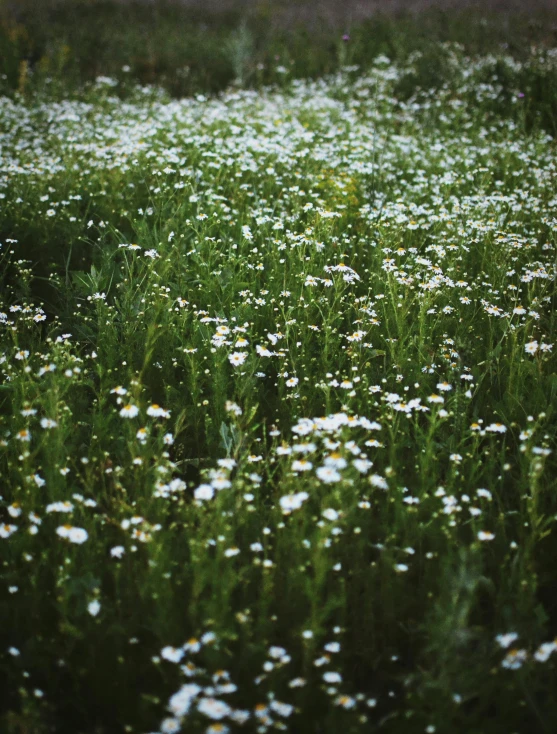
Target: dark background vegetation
x: 192, y: 46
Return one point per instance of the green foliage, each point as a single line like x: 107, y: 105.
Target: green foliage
x: 278, y: 376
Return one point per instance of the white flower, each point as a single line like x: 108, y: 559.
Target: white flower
x: 157, y: 412
x: 280, y: 708
x: 118, y: 551
x: 544, y: 651
x: 330, y: 514
x: 444, y: 386
x: 59, y: 507
x: 170, y: 726
x: 362, y: 465
x: 94, y: 607
x: 291, y: 502
x: 276, y: 652
x: 6, y: 530
x: 514, y: 659
x: 496, y: 428
x: 204, y: 492
x: 48, y: 423
x: 531, y: 347
x: 376, y: 480
x: 507, y: 639
x: 180, y: 702
x: 14, y: 510
x: 484, y: 535
x: 74, y: 535
x: 435, y: 399
x: 213, y: 708
x: 172, y: 654
x: 129, y: 411
x: 332, y: 677
x: 301, y: 465
x: 328, y: 474
x: 237, y: 358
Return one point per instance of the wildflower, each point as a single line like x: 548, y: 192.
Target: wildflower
x: 514, y: 659
x: 23, y: 435
x: 507, y: 639
x: 544, y: 651
x: 280, y: 708
x: 48, y: 423
x: 6, y: 530
x: 172, y: 654
x: 59, y: 507
x: 347, y: 702
x: 14, y: 510
x: 73, y: 534
x: 232, y: 407
x: 435, y: 399
x: 376, y: 480
x: 180, y: 702
x: 220, y: 728
x: 156, y: 411
x: 204, y: 492
x: 230, y: 552
x: 531, y: 347
x: 94, y: 607
x: 328, y: 474
x: 301, y: 465
x: 237, y: 358
x: 129, y: 411
x: 213, y: 708
x: 496, y: 428
x: 484, y: 535
x: 170, y: 726
x: 291, y: 502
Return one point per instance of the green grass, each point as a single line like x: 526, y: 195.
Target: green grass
x: 330, y: 304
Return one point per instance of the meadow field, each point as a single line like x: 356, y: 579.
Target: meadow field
x: 279, y: 386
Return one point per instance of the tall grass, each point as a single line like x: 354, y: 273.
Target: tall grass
x: 277, y: 411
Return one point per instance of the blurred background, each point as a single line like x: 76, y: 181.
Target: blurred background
x: 203, y: 46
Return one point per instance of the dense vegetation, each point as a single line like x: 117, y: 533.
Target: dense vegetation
x: 278, y: 398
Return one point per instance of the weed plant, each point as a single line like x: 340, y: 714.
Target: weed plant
x: 277, y: 412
